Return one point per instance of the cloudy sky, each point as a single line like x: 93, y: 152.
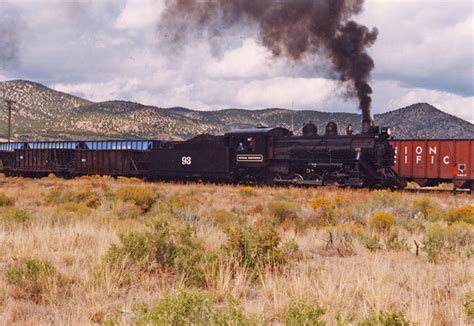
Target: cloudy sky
x: 114, y: 49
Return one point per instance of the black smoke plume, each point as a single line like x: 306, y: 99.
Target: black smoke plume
x: 295, y: 29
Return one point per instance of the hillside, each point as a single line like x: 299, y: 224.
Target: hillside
x: 42, y: 113
x: 425, y: 121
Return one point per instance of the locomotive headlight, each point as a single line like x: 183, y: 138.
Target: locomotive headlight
x: 387, y: 131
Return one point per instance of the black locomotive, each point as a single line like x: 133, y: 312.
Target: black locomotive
x: 257, y: 156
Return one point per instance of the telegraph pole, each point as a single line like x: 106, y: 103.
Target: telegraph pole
x: 9, y: 105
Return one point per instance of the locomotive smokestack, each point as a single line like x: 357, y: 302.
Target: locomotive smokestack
x: 296, y: 29
x: 366, y: 126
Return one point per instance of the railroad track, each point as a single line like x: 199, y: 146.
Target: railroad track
x: 439, y: 190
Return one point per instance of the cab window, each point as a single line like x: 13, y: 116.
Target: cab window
x: 246, y: 145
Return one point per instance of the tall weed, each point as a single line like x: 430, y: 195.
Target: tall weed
x: 36, y: 280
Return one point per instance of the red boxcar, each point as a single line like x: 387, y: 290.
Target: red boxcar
x: 429, y: 162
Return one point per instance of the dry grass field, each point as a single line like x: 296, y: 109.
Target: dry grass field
x: 98, y: 250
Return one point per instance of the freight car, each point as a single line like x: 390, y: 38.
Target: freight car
x: 256, y: 155
x: 430, y: 162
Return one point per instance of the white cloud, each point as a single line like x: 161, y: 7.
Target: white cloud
x: 139, y: 14
x: 286, y: 92
x: 426, y: 44
x: 249, y: 61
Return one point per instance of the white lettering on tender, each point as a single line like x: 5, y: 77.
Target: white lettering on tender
x: 433, y: 150
x: 419, y: 150
x: 446, y: 160
x: 418, y: 159
x: 432, y: 160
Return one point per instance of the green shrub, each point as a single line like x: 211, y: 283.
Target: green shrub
x: 86, y: 197
x: 423, y: 206
x: 382, y: 221
x: 143, y: 197
x: 387, y: 318
x: 468, y: 305
x: 121, y: 210
x: 372, y: 243
x: 282, y: 210
x: 76, y: 208
x: 291, y: 249
x: 255, y: 247
x: 302, y: 313
x: 14, y: 217
x: 461, y: 214
x: 162, y: 247
x: 441, y: 239
x: 385, y: 198
x: 36, y: 280
x: 5, y: 200
x: 183, y: 208
x: 223, y: 217
x: 56, y: 197
x: 191, y: 308
x: 394, y: 242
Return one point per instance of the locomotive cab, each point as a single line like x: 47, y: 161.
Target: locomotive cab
x: 252, y: 148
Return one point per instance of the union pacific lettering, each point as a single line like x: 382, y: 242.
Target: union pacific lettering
x: 433, y: 152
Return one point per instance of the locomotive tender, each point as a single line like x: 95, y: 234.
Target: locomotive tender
x: 256, y: 156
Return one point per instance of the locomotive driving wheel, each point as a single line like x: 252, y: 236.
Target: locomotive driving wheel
x: 273, y: 179
x: 297, y: 179
x: 376, y: 186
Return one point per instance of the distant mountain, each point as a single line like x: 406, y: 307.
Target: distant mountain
x: 423, y: 120
x: 41, y: 113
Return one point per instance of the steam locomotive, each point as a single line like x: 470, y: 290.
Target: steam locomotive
x: 256, y: 156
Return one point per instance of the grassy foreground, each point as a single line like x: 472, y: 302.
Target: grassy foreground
x: 102, y: 251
